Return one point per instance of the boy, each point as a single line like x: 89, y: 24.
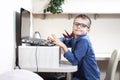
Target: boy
x: 82, y: 53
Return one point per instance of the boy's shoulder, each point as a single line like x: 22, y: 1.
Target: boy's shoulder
x: 84, y: 38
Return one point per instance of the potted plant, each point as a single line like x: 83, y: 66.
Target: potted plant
x: 54, y: 6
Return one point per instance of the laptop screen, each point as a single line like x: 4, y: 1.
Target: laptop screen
x: 25, y: 23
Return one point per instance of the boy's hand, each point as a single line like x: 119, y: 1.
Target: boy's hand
x: 56, y: 41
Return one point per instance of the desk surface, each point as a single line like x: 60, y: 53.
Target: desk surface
x: 103, y: 56
x: 63, y: 67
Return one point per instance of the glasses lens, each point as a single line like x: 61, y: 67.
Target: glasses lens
x: 80, y: 25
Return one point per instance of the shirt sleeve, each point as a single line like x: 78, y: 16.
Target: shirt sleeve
x: 79, y: 52
x: 66, y: 41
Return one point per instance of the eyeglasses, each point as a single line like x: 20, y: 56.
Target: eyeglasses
x: 80, y: 25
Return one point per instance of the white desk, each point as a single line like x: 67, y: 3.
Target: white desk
x: 44, y: 59
x: 63, y: 68
x: 67, y: 68
x: 103, y: 56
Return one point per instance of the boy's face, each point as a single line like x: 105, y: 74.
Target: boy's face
x: 80, y: 27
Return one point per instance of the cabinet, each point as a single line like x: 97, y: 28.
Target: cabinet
x: 35, y: 57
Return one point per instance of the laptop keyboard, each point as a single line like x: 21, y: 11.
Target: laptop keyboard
x: 36, y: 42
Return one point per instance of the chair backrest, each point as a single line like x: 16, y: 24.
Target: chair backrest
x: 112, y: 66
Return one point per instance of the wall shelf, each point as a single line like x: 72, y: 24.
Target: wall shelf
x: 70, y: 16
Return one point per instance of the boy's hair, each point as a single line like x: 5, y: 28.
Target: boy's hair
x: 83, y: 16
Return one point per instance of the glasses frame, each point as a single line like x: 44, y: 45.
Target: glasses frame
x: 80, y: 25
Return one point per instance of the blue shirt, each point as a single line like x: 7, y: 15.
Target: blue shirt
x: 83, y: 56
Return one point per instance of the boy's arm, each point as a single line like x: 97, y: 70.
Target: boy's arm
x: 59, y: 42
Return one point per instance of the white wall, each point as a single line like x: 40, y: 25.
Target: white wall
x: 104, y: 32
x: 81, y: 6
x: 7, y: 32
x: 91, y: 6
x: 104, y: 28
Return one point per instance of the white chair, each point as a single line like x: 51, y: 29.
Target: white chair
x: 112, y: 65
x: 20, y: 74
